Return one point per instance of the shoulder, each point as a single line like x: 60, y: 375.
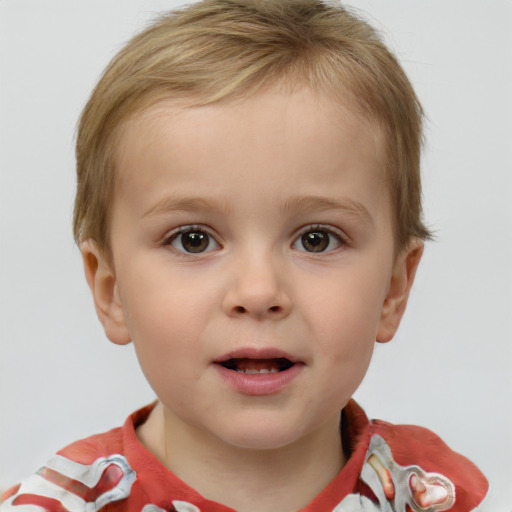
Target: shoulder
x: 74, y: 476
x: 92, y: 470
x: 411, y: 444
x: 415, y: 462
x: 86, y: 451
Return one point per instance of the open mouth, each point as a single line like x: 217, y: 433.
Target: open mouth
x: 257, y: 366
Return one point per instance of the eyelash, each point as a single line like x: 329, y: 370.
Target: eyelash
x: 333, y: 234
x: 336, y: 234
x: 182, y: 230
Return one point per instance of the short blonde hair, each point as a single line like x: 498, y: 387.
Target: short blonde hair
x: 218, y: 50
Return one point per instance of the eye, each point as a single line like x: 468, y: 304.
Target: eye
x: 318, y: 239
x: 192, y: 240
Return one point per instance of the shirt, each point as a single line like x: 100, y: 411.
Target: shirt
x: 390, y: 468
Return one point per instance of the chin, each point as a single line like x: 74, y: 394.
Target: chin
x: 260, y: 442
x: 260, y: 435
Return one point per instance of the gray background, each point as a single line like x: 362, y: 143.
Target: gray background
x: 449, y: 367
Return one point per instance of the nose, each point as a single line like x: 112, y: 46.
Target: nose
x: 257, y: 289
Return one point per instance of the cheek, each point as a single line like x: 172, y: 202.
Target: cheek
x: 166, y: 334
x: 164, y: 314
x: 348, y: 309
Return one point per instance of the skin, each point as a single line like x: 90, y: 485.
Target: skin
x: 253, y: 178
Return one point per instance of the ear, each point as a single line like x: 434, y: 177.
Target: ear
x: 100, y: 275
x: 402, y: 277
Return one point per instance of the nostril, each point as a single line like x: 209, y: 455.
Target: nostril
x: 240, y: 309
x: 274, y: 309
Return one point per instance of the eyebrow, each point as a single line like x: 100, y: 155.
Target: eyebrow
x: 294, y: 204
x: 319, y: 203
x: 186, y: 204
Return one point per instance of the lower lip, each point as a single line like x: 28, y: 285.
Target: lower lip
x: 261, y: 383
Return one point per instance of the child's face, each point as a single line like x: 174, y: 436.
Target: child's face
x: 249, y: 238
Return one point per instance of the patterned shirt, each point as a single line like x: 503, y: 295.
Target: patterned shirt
x: 390, y: 468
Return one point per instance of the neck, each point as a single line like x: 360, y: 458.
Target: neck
x: 241, y: 478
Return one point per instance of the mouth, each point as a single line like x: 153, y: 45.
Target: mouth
x: 250, y: 366
x: 257, y: 372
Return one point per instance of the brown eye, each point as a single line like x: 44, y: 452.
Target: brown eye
x: 318, y: 240
x: 315, y: 241
x: 193, y: 241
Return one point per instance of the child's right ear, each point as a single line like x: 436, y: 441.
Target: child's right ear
x: 100, y: 275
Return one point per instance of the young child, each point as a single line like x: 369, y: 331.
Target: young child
x: 249, y: 214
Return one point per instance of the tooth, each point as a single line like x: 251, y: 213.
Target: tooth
x: 249, y: 371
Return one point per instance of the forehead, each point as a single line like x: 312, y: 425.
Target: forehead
x: 302, y: 126
x: 276, y: 145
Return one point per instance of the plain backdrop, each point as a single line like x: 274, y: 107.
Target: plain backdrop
x: 450, y: 366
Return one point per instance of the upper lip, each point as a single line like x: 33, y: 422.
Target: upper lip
x: 256, y: 353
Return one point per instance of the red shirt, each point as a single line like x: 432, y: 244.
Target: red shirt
x: 390, y: 468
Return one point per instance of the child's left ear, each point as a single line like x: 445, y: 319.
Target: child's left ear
x: 402, y: 277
